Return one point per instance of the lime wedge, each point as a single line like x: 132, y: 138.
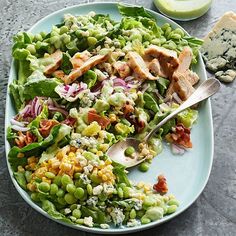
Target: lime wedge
x: 183, y: 9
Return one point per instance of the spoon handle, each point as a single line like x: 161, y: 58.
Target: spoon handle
x: 204, y: 91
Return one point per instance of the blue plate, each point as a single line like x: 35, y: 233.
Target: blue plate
x: 186, y: 175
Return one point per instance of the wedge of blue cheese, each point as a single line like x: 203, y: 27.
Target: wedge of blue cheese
x: 219, y: 48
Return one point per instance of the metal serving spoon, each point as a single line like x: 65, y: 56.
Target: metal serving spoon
x: 117, y: 151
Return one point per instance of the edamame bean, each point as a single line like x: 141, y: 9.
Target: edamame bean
x: 79, y: 193
x: 173, y: 202
x: 91, y: 41
x: 120, y: 192
x: 31, y: 48
x: 171, y: 209
x: 43, y: 34
x: 165, y: 26
x: 126, y: 192
x: 132, y: 214
x: 79, y: 221
x: 179, y: 31
x: 73, y: 206
x: 144, y: 167
x: 38, y: 37
x: 66, y: 179
x: 168, y: 31
x: 53, y: 189
x: 90, y: 189
x: 50, y: 175
x: 64, y: 29
x: 57, y: 180
x: 60, y: 193
x: 172, y: 35
x: 77, y: 175
x: 76, y: 213
x: 34, y: 197
x: 28, y: 175
x: 70, y: 198
x: 129, y: 151
x: 145, y: 220
x: 61, y: 201
x: 70, y: 188
x: 44, y: 187
x: 54, y: 39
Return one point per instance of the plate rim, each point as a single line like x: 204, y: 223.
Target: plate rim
x: 110, y: 230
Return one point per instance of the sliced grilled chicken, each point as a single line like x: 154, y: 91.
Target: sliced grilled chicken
x: 156, y: 69
x: 185, y: 58
x: 79, y: 58
x: 122, y: 68
x: 56, y: 62
x: 137, y: 64
x: 182, y: 86
x: 167, y: 58
x: 90, y: 63
x: 191, y: 76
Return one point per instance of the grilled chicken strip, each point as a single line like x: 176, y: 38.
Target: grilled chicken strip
x: 137, y: 64
x: 56, y: 62
x: 167, y: 58
x: 90, y: 63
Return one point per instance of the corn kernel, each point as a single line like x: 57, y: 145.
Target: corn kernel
x: 20, y: 169
x: 112, y: 117
x: 99, y: 153
x: 65, y: 166
x: 104, y: 177
x: 31, y: 160
x: 108, y: 162
x: 99, y: 173
x: 59, y: 155
x: 78, y: 168
x: 73, y: 149
x: 20, y: 155
x: 71, y: 155
x: 31, y: 187
x: 44, y: 179
x: 32, y: 165
x: 56, y: 164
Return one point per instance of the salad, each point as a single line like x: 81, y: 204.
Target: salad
x: 84, y: 86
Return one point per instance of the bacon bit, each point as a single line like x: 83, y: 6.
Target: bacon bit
x: 128, y: 109
x: 139, y: 125
x: 69, y: 121
x: 103, y: 121
x: 30, y: 138
x: 46, y: 126
x: 24, y: 139
x: 180, y: 136
x: 161, y: 185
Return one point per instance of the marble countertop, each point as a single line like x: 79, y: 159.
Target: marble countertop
x: 214, y: 212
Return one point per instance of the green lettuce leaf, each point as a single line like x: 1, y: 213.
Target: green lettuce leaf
x: 20, y: 178
x: 150, y: 102
x: 33, y: 149
x: 90, y: 78
x: 119, y: 171
x: 39, y: 85
x: 187, y: 117
x: 126, y: 10
x: 97, y: 215
x: 66, y: 64
x: 50, y: 208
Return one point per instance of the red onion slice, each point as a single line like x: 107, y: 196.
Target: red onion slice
x: 20, y: 128
x: 177, y: 150
x: 61, y: 110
